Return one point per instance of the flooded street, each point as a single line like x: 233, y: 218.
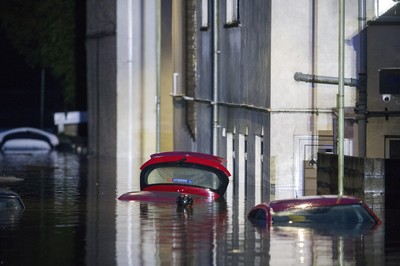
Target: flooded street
x: 72, y: 217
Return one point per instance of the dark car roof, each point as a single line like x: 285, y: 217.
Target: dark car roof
x: 5, y: 193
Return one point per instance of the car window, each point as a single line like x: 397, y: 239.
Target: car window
x: 183, y: 176
x: 326, y: 214
x: 10, y: 204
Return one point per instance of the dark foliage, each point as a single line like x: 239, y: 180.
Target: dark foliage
x: 43, y: 31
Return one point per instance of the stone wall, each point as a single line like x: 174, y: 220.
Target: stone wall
x: 363, y: 178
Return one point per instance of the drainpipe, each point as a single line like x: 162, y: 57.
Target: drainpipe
x: 215, y: 77
x: 158, y: 76
x: 42, y: 91
x: 362, y: 78
x: 340, y: 100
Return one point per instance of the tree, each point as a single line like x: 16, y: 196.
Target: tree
x: 44, y: 32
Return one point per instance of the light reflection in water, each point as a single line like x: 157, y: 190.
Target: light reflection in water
x: 72, y: 213
x: 309, y: 246
x: 171, y: 234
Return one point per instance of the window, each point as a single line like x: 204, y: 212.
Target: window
x: 241, y: 163
x: 392, y: 147
x: 204, y: 15
x: 258, y: 167
x: 232, y: 13
x: 339, y: 214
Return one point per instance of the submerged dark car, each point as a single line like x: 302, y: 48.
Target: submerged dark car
x: 10, y: 201
x: 181, y: 177
x: 328, y: 209
x: 11, y: 209
x: 25, y: 139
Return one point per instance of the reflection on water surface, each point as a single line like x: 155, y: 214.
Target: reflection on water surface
x: 72, y: 217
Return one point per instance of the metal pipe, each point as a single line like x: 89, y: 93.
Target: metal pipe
x: 158, y: 76
x: 215, y: 77
x: 298, y: 76
x: 362, y: 77
x: 341, y: 100
x: 376, y: 8
x: 130, y: 88
x: 42, y: 93
x: 253, y: 107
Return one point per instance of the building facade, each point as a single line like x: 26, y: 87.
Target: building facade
x: 252, y: 81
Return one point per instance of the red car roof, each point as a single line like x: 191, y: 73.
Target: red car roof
x: 307, y: 202
x: 189, y: 153
x: 312, y: 201
x: 189, y: 157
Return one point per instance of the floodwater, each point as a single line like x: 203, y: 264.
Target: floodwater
x: 72, y: 217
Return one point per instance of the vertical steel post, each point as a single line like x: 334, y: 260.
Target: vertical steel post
x: 215, y: 77
x: 341, y: 100
x: 42, y: 93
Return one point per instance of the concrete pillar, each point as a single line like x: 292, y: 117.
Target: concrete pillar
x: 137, y: 66
x: 101, y: 77
x: 136, y: 77
x: 127, y: 77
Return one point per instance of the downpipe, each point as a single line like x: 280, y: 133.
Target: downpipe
x: 361, y: 106
x: 216, y: 52
x: 340, y: 99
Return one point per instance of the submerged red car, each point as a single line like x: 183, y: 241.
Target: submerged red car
x: 326, y: 209
x: 181, y: 177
